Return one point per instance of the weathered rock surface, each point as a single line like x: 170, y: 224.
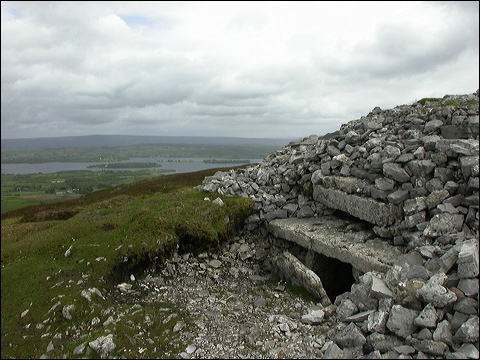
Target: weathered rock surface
x: 330, y: 236
x: 402, y: 185
x: 366, y: 209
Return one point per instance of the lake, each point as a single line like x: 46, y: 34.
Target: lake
x: 179, y: 165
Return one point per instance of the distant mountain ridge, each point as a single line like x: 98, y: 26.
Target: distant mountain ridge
x: 127, y: 140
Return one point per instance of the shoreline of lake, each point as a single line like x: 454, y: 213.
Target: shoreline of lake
x: 178, y: 165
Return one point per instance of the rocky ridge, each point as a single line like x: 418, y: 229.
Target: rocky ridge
x: 412, y: 174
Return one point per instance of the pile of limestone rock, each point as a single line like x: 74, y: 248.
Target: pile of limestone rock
x: 412, y: 174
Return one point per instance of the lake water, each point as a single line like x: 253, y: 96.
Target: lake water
x: 180, y: 165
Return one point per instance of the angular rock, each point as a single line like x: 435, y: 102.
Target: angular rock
x: 349, y: 337
x: 468, y: 260
x: 359, y: 317
x: 427, y: 317
x: 469, y: 165
x: 431, y: 347
x: 425, y: 334
x: 379, y: 289
x: 103, y: 345
x: 79, y: 349
x: 468, y: 331
x: 345, y: 309
x: 443, y: 333
x: 469, y: 286
x: 395, y: 172
x: 466, y: 306
x: 469, y: 350
x: 383, y: 342
x: 412, y: 206
x: 398, y: 196
x: 457, y: 320
x: 305, y: 212
x: 313, y: 317
x: 218, y: 202
x: 436, y: 197
x: 384, y: 184
x: 434, y: 292
x: 377, y: 321
x: 332, y: 351
x: 401, y: 321
x: 404, y: 349
x: 276, y: 214
x: 443, y: 224
x: 360, y: 295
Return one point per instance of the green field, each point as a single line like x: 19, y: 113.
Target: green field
x: 32, y: 189
x: 17, y: 201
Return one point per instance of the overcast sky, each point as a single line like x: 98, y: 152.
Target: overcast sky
x: 242, y: 69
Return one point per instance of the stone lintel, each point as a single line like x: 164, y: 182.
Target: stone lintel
x: 326, y: 235
x: 367, y: 209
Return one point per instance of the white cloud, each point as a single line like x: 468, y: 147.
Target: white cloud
x: 256, y: 69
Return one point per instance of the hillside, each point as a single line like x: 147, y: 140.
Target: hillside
x: 60, y: 252
x: 378, y: 221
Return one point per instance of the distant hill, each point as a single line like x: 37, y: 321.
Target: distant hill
x: 126, y: 140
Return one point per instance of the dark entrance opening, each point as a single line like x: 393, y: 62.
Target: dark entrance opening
x: 336, y: 276
x: 355, y: 223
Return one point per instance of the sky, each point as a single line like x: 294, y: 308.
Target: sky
x: 226, y: 69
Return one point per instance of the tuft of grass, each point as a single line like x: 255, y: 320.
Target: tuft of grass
x: 297, y: 290
x: 456, y: 103
x: 430, y: 100
x: 449, y: 101
x: 301, y: 291
x: 111, y: 234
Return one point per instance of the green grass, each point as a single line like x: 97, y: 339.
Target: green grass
x: 16, y: 201
x: 456, y: 102
x: 430, y: 100
x: 114, y: 233
x: 13, y: 202
x: 297, y: 290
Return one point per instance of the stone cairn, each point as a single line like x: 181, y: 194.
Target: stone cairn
x: 412, y: 173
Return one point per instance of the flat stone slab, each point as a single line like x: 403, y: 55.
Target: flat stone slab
x: 291, y: 268
x: 329, y: 235
x: 366, y: 209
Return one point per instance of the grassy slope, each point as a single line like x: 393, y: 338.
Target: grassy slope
x: 114, y: 233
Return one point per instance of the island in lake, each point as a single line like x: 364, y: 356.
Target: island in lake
x: 126, y: 165
x: 226, y: 161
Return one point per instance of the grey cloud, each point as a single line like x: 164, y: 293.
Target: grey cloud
x: 469, y: 7
x: 132, y: 20
x: 105, y: 72
x: 402, y: 50
x: 249, y: 92
x: 222, y: 111
x: 249, y: 19
x: 154, y: 91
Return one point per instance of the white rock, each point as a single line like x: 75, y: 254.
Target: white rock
x: 103, y: 345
